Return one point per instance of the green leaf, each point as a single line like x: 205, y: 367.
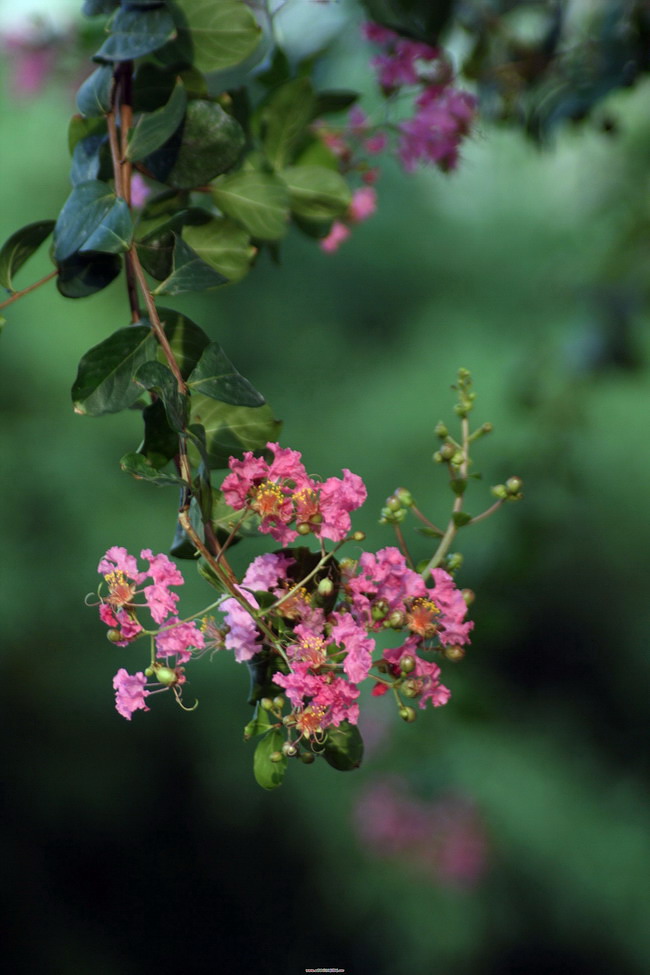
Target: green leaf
x: 461, y: 518
x: 160, y: 443
x: 80, y: 127
x: 156, y: 246
x: 259, y: 723
x: 105, y: 378
x: 152, y: 87
x: 92, y: 212
x: 259, y: 201
x: 430, y: 532
x: 209, y: 143
x: 189, y: 272
x: 343, y: 747
x: 224, y: 518
x: 231, y: 430
x: 137, y: 32
x: 333, y: 101
x: 155, y: 128
x: 458, y: 485
x: 94, y: 96
x: 140, y: 468
x: 216, y: 35
x: 216, y: 377
x: 91, y: 160
x: 186, y: 338
x: 286, y: 119
x: 20, y: 247
x: 91, y: 8
x: 85, y: 274
x: 269, y: 774
x: 316, y: 193
x: 156, y: 376
x: 222, y: 244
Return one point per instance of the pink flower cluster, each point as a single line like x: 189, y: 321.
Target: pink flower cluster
x: 175, y: 640
x: 443, y: 838
x: 362, y: 205
x: 283, y: 495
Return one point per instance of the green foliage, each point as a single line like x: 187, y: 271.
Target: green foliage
x: 92, y: 219
x: 105, y: 380
x: 343, y: 748
x: 20, y: 247
x: 142, y: 469
x: 316, y: 193
x: 269, y: 773
x: 215, y: 36
x: 136, y: 32
x: 81, y: 275
x: 259, y: 201
x: 284, y: 120
x: 222, y: 244
x: 94, y: 96
x: 215, y: 376
x: 189, y: 272
x: 231, y: 430
x: 154, y: 129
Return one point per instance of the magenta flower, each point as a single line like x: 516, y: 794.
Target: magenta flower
x: 363, y: 204
x: 179, y: 639
x: 384, y: 583
x: 357, y: 644
x: 454, y: 629
x: 130, y: 693
x: 243, y: 636
x: 337, y: 235
x: 337, y: 498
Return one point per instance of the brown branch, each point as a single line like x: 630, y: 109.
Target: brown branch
x: 32, y: 287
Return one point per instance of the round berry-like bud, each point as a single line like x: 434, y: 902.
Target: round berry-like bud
x: 149, y: 672
x: 405, y: 497
x: 487, y: 428
x: 514, y: 485
x: 289, y: 720
x: 278, y: 702
x: 454, y: 562
x: 407, y: 714
x: 447, y: 451
x: 458, y: 458
x: 289, y: 750
x: 393, y: 503
x: 358, y: 536
x: 303, y: 528
x: 455, y: 653
x: 266, y: 703
x: 307, y: 758
x: 165, y: 675
x: 500, y: 491
x: 379, y: 610
x: 114, y: 636
x: 468, y: 595
x: 407, y: 664
x: 438, y: 457
x: 325, y: 587
x: 410, y: 689
x: 441, y: 430
x: 276, y: 757
x: 397, y: 619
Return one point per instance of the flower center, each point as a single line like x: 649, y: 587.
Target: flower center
x: 421, y: 617
x: 309, y: 721
x: 120, y: 592
x: 267, y: 499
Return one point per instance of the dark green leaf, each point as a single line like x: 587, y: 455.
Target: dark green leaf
x: 160, y: 443
x: 187, y: 339
x: 285, y: 120
x: 461, y: 518
x: 156, y: 376
x: 316, y: 193
x: 421, y: 19
x: 216, y: 377
x: 80, y: 128
x: 89, y: 209
x: 91, y: 160
x: 189, y: 272
x: 259, y: 201
x: 20, y: 247
x: 458, y: 485
x: 94, y: 96
x: 209, y: 143
x: 230, y: 430
x: 430, y: 532
x: 105, y: 379
x: 343, y: 747
x: 259, y: 723
x: 91, y: 8
x: 85, y: 274
x: 216, y: 35
x: 269, y: 774
x: 137, y: 32
x: 156, y: 247
x: 140, y: 468
x: 222, y: 244
x: 333, y: 101
x: 155, y: 128
x: 152, y: 87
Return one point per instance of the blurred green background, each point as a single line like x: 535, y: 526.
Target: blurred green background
x: 148, y: 847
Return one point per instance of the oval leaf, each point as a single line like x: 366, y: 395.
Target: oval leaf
x: 223, y: 245
x: 82, y: 214
x: 113, y: 235
x: 230, y: 430
x: 316, y: 192
x: 85, y: 274
x: 136, y: 32
x: 189, y: 272
x: 216, y: 35
x: 259, y: 201
x: 269, y: 774
x: 20, y: 247
x: 154, y: 375
x: 286, y: 120
x: 105, y: 378
x: 216, y: 377
x: 140, y: 468
x: 343, y: 747
x: 94, y: 96
x: 155, y: 128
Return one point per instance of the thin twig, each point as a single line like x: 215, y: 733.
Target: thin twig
x: 32, y: 287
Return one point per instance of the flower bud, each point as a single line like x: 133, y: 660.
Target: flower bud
x: 303, y: 528
x: 397, y: 619
x: 468, y: 595
x: 149, y: 672
x: 114, y: 636
x: 276, y: 757
x: 447, y: 451
x: 514, y: 485
x: 441, y: 430
x: 289, y: 720
x: 393, y: 503
x: 410, y: 688
x: 405, y: 497
x: 407, y: 714
x: 266, y: 703
x: 325, y: 587
x: 358, y: 536
x: 454, y: 653
x: 454, y: 562
x: 407, y: 664
x: 500, y: 491
x: 278, y: 702
x: 165, y: 675
x: 307, y: 758
x: 379, y: 610
x: 289, y: 750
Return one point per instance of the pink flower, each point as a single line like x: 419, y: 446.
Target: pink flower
x: 130, y: 693
x: 243, y: 636
x: 363, y: 204
x: 266, y: 572
x: 435, y: 132
x: 179, y: 639
x: 140, y: 191
x: 117, y: 559
x: 376, y: 143
x: 357, y: 644
x: 378, y: 34
x: 384, y: 582
x: 161, y: 602
x: 161, y: 569
x: 453, y: 626
x: 337, y: 235
x: 337, y: 498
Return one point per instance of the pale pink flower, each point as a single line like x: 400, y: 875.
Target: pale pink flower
x: 243, y: 636
x: 337, y: 498
x: 453, y: 626
x: 130, y: 693
x: 161, y: 569
x: 337, y: 235
x: 140, y: 190
x: 376, y: 143
x: 179, y: 639
x: 266, y: 572
x: 161, y: 602
x: 384, y: 578
x: 357, y: 644
x: 363, y: 204
x: 117, y: 559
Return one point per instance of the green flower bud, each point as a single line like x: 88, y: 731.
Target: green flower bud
x: 114, y: 636
x: 278, y: 702
x: 266, y: 703
x: 458, y: 458
x: 397, y: 619
x: 325, y: 587
x: 307, y: 757
x: 358, y: 536
x: 276, y: 757
x: 289, y: 750
x: 468, y: 595
x: 407, y: 664
x: 407, y: 714
x: 454, y: 562
x: 441, y: 430
x: 447, y: 451
x: 288, y: 720
x: 149, y: 672
x: 165, y: 675
x: 393, y: 503
x: 500, y: 491
x: 303, y: 528
x: 405, y: 497
x: 454, y: 653
x: 514, y: 485
x: 379, y: 610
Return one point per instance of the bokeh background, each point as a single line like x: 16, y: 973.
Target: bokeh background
x: 506, y: 833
